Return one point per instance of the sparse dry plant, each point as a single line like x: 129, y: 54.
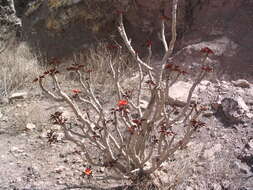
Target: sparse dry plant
x: 18, y: 67
x: 130, y: 141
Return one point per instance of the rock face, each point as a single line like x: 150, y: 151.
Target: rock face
x: 9, y: 23
x: 52, y: 24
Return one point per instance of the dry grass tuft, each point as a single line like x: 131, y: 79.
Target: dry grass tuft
x: 18, y: 67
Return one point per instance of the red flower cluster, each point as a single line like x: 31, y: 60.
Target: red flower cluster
x: 197, y: 124
x: 207, y: 69
x: 150, y: 82
x: 111, y: 46
x: 119, y: 12
x: 206, y: 50
x: 149, y: 43
x: 131, y: 129
x: 165, y: 131
x: 76, y: 91
x: 163, y: 17
x: 52, y: 71
x: 138, y: 122
x: 75, y: 67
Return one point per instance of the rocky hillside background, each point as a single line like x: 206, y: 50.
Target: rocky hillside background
x: 59, y: 28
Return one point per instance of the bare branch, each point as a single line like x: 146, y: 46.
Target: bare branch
x: 123, y: 34
x: 52, y: 95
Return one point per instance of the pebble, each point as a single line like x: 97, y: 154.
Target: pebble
x: 241, y: 83
x: 30, y: 126
x: 18, y: 95
x: 60, y: 169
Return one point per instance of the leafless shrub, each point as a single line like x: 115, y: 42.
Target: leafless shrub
x: 130, y: 141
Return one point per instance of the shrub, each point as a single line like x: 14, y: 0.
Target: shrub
x: 130, y: 141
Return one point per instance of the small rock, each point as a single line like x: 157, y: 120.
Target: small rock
x: 241, y: 83
x: 18, y: 95
x: 1, y: 115
x: 30, y: 126
x: 143, y: 104
x: 60, y: 169
x: 18, y: 106
x: 178, y: 93
x: 60, y: 136
x: 16, y: 150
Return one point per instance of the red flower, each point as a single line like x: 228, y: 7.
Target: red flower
x: 137, y: 122
x: 206, y: 50
x: 150, y: 82
x: 88, y: 171
x: 149, y: 43
x: 196, y: 123
x: 184, y: 72
x: 35, y: 80
x: 169, y: 66
x: 46, y: 72
x: 80, y: 66
x: 207, y: 69
x: 163, y: 17
x: 119, y: 12
x: 88, y: 70
x: 176, y: 68
x: 41, y: 76
x: 111, y: 46
x: 131, y: 129
x: 76, y: 91
x: 122, y: 103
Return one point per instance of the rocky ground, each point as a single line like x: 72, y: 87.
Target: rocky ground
x: 219, y: 157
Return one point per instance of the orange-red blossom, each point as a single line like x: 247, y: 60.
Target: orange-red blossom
x: 88, y: 171
x: 76, y: 91
x: 122, y: 103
